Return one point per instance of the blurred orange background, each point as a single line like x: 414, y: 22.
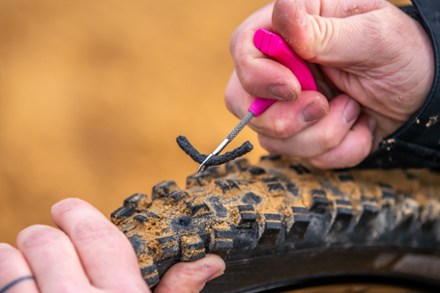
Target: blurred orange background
x: 94, y: 93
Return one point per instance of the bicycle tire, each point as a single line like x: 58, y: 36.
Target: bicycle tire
x: 280, y: 223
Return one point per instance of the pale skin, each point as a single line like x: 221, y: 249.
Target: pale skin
x: 374, y: 68
x: 87, y: 253
x: 373, y: 64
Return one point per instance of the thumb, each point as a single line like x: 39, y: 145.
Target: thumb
x: 191, y: 276
x: 329, y: 33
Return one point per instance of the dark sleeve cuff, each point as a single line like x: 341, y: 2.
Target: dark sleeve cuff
x: 417, y: 143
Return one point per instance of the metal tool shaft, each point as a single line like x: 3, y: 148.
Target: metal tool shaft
x: 239, y: 127
x: 273, y: 46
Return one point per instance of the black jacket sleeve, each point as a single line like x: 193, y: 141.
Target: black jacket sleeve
x: 417, y: 143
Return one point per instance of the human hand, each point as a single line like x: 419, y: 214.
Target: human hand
x: 88, y: 254
x: 374, y: 69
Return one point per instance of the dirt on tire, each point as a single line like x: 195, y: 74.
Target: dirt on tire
x: 243, y: 210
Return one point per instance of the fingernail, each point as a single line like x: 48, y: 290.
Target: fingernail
x: 214, y: 267
x: 313, y: 112
x: 351, y: 111
x: 282, y: 92
x: 215, y: 275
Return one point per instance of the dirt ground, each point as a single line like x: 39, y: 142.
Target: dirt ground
x: 94, y: 93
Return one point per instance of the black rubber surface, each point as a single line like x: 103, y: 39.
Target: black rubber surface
x: 281, y: 223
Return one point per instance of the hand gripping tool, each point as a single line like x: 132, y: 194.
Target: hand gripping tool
x: 274, y: 46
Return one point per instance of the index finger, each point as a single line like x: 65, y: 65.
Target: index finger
x: 259, y: 75
x: 106, y: 254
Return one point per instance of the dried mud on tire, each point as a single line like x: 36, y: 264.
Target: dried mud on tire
x: 280, y: 210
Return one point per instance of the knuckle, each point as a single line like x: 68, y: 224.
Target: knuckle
x: 282, y: 129
x: 246, y: 78
x: 248, y: 74
x: 328, y: 140
x: 229, y: 98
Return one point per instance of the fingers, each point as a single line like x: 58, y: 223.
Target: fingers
x: 284, y: 118
x: 352, y: 150
x: 236, y: 98
x: 327, y: 142
x: 15, y: 273
x: 191, y: 276
x: 106, y: 254
x: 260, y: 76
x: 52, y: 259
x: 324, y: 135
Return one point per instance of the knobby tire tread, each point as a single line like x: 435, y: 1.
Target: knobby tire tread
x: 245, y: 211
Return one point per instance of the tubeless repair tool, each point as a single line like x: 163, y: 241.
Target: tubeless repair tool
x: 275, y: 47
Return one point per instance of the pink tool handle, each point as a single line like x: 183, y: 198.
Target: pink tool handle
x: 274, y: 46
